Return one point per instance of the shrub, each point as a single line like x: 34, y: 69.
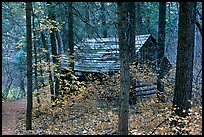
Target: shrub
x: 13, y: 93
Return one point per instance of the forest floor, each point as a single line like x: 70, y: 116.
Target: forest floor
x: 88, y: 117
x: 11, y: 110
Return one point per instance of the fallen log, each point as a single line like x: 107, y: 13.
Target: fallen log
x: 145, y: 88
x: 144, y: 93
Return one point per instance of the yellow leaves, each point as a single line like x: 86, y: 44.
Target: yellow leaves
x: 19, y: 45
x: 74, y: 77
x: 78, y: 83
x: 47, y: 24
x: 45, y: 51
x: 57, y: 75
x: 50, y: 27
x: 40, y: 11
x: 136, y: 132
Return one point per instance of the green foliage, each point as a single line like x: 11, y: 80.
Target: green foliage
x: 13, y: 93
x: 4, y: 93
x: 11, y: 19
x: 152, y: 12
x: 20, y: 58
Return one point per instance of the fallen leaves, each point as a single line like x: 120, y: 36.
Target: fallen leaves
x: 88, y: 118
x: 85, y: 113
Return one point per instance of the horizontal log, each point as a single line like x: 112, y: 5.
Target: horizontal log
x: 144, y: 93
x: 145, y: 88
x: 99, y: 48
x: 92, y: 62
x: 143, y: 85
x: 91, y: 69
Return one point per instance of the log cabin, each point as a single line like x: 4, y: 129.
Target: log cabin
x: 102, y: 54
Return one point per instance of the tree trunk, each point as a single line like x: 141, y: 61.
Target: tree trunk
x: 139, y: 15
x: 131, y: 30
x: 22, y: 86
x: 161, y: 30
x: 87, y: 15
x: 51, y: 83
x: 103, y: 20
x: 29, y: 66
x: 70, y: 37
x: 131, y: 39
x: 35, y: 67
x: 41, y: 74
x: 148, y: 25
x: 185, y: 55
x: 198, y: 21
x: 64, y: 35
x: 124, y: 69
x: 169, y: 25
x: 161, y: 45
x: 41, y: 79
x: 54, y: 49
x: 59, y: 43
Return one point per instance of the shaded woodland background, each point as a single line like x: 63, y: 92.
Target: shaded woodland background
x: 56, y: 28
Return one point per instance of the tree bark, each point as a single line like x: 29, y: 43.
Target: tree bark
x: 131, y: 30
x: 139, y: 15
x: 64, y: 34
x: 70, y: 37
x: 41, y: 74
x: 51, y: 83
x: 124, y: 69
x: 54, y: 49
x: 161, y: 45
x: 103, y: 20
x: 131, y: 39
x: 199, y: 21
x: 185, y: 55
x: 29, y: 66
x: 87, y: 16
x: 22, y: 85
x: 59, y: 43
x: 35, y: 58
x: 161, y: 30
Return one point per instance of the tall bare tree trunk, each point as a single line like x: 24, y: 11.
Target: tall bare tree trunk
x: 185, y: 55
x: 51, y: 83
x: 87, y: 15
x: 59, y: 42
x: 131, y: 30
x: 124, y: 69
x: 54, y: 49
x: 29, y: 66
x: 64, y: 34
x: 70, y: 36
x: 139, y: 15
x: 35, y: 67
x: 131, y: 41
x: 103, y: 20
x: 161, y: 45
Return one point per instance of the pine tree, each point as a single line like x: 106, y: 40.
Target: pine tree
x: 185, y: 55
x: 29, y: 66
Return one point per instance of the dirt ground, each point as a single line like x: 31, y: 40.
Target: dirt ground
x: 10, y: 114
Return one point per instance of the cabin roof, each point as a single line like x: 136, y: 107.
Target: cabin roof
x: 102, y: 54
x: 111, y: 43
